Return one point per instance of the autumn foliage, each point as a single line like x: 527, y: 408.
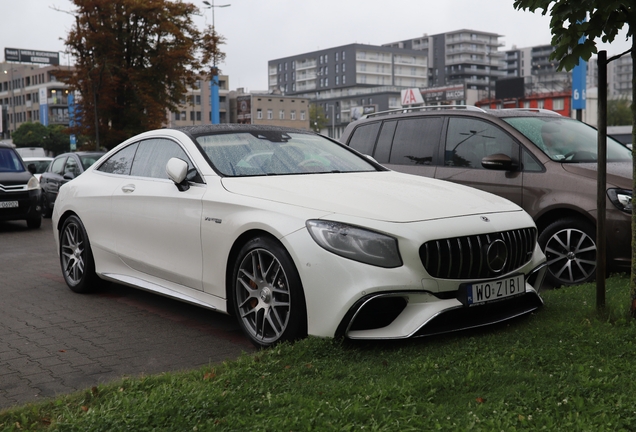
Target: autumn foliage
x: 134, y: 61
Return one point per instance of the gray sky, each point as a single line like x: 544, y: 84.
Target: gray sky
x: 260, y: 30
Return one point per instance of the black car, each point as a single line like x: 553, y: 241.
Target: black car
x: 19, y: 190
x: 63, y: 169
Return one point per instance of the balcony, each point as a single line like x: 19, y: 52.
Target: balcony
x: 305, y: 64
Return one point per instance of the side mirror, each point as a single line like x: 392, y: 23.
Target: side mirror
x: 69, y: 176
x: 177, y: 171
x: 32, y: 168
x: 499, y: 162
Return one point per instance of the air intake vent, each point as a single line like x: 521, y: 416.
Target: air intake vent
x: 479, y: 256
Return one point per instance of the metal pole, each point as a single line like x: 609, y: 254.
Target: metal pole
x: 601, y: 179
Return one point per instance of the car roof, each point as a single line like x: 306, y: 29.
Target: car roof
x: 453, y: 110
x: 230, y: 127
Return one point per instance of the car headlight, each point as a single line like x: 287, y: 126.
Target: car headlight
x: 355, y: 243
x: 621, y: 198
x: 33, y: 184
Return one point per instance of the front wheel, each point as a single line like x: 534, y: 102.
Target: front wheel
x: 267, y: 294
x: 570, y: 249
x: 76, y: 257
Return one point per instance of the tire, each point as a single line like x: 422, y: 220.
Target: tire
x: 570, y: 248
x: 267, y: 294
x: 76, y: 257
x: 35, y: 222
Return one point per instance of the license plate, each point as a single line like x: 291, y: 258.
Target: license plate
x: 498, y: 289
x: 8, y: 204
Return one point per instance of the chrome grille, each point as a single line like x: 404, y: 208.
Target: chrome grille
x: 467, y: 257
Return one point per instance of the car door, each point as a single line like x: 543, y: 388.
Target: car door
x: 467, y: 141
x: 53, y: 178
x: 158, y: 227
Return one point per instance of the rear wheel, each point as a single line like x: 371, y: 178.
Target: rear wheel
x: 76, y: 257
x: 570, y: 248
x: 267, y: 294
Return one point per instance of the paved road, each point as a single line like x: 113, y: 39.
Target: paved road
x: 53, y: 341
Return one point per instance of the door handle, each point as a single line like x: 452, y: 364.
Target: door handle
x: 128, y: 188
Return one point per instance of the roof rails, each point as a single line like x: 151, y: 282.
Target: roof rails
x: 539, y: 110
x: 423, y: 108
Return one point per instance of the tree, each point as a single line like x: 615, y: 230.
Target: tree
x: 592, y: 19
x: 57, y: 139
x: 134, y: 61
x: 317, y: 117
x: 618, y: 112
x: 30, y: 134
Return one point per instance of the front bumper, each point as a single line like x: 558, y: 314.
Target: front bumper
x: 401, y: 315
x: 28, y: 205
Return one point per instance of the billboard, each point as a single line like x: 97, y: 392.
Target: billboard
x: 510, y: 88
x: 31, y: 56
x: 358, y: 111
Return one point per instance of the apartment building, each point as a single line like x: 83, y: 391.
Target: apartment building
x: 195, y: 108
x: 468, y: 57
x: 273, y: 109
x: 29, y: 92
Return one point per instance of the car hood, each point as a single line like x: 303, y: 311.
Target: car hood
x: 386, y: 196
x: 618, y: 173
x: 15, y: 178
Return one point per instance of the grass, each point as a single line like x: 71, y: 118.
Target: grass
x: 567, y: 367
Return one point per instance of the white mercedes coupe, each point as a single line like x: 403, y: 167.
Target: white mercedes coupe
x: 295, y: 234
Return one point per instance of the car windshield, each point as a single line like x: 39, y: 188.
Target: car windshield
x: 567, y: 140
x: 10, y: 161
x: 40, y: 165
x: 258, y: 153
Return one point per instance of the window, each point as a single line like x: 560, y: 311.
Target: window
x: 292, y: 115
x: 343, y: 56
x: 526, y: 104
x: 415, y: 141
x: 183, y: 115
x: 363, y: 138
x: 120, y: 162
x: 152, y: 156
x: 198, y: 115
x: 337, y: 80
x: 302, y: 115
x: 259, y: 113
x: 270, y: 114
x: 540, y: 103
x: 57, y: 166
x: 336, y: 57
x: 281, y: 115
x: 558, y: 104
x: 344, y: 79
x: 343, y: 67
x: 468, y: 141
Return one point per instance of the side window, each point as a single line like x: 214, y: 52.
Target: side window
x: 469, y: 140
x: 385, y: 140
x: 153, y: 155
x: 416, y: 141
x: 363, y: 138
x: 120, y: 162
x: 57, y: 166
x: 71, y: 167
x: 529, y: 163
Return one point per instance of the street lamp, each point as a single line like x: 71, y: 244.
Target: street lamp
x: 214, y: 84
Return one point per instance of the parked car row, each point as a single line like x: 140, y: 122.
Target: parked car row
x: 538, y: 159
